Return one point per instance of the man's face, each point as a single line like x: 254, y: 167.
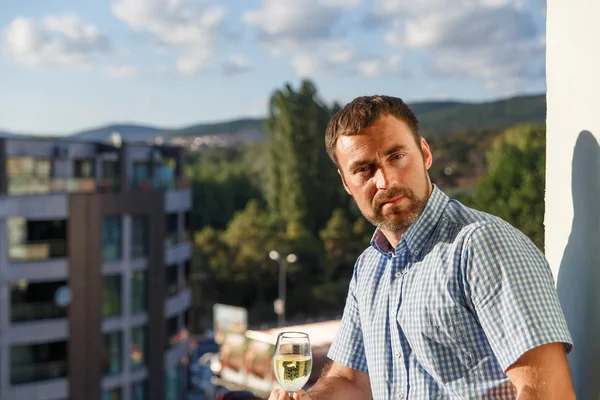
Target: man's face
x: 385, y: 170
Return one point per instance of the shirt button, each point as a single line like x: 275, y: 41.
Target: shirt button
x: 398, y: 354
x: 398, y: 275
x: 400, y: 395
x: 416, y: 252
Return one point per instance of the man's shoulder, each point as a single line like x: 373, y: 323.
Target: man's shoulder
x: 478, y: 227
x: 469, y: 220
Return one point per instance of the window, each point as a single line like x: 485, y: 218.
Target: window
x: 111, y: 238
x: 111, y: 354
x: 36, y: 240
x: 138, y: 291
x: 111, y: 296
x: 172, y: 331
x: 38, y: 362
x: 187, y: 228
x: 141, y: 175
x: 28, y: 175
x: 139, y: 390
x: 171, y: 229
x: 187, y: 270
x: 138, y: 349
x: 114, y: 394
x: 111, y: 177
x: 173, y: 384
x: 139, y: 236
x: 32, y: 301
x: 172, y: 280
x: 83, y: 169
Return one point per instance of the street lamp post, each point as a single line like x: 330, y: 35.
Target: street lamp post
x: 283, y: 261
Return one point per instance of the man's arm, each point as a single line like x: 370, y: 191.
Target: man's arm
x: 337, y: 382
x: 542, y: 373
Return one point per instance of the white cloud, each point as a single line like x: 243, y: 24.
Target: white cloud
x: 293, y: 25
x: 56, y: 40
x: 342, y: 57
x: 237, y: 64
x: 495, y: 41
x: 122, y: 71
x: 193, y: 29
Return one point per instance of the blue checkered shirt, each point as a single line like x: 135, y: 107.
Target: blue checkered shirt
x: 445, y: 313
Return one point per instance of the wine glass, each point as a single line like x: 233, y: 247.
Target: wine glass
x: 292, y: 361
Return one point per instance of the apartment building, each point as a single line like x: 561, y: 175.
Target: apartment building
x: 94, y: 260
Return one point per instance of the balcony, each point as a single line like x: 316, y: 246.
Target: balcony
x: 38, y: 372
x: 38, y: 250
x: 109, y: 185
x: 36, y: 311
x: 34, y: 185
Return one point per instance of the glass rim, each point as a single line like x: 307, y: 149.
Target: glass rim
x: 292, y: 335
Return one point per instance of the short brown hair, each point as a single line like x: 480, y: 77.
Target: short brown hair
x: 361, y: 113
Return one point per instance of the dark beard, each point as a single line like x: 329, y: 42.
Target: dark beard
x: 401, y: 216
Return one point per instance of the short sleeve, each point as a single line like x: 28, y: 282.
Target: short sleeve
x: 511, y: 287
x: 348, y: 348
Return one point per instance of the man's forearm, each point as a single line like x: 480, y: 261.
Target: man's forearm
x: 337, y: 388
x: 544, y: 393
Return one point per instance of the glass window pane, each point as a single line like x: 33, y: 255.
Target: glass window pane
x: 111, y: 358
x: 33, y: 301
x: 172, y: 280
x: 138, y: 291
x: 111, y: 238
x: 138, y: 391
x: 111, y: 296
x: 139, y: 235
x: 137, y: 352
x: 114, y: 394
x: 38, y: 362
x: 31, y: 240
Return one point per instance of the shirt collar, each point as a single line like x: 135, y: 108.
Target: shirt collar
x: 417, y: 234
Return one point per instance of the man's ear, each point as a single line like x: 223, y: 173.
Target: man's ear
x: 344, y: 182
x: 427, y: 155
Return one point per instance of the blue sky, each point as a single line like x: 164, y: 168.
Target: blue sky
x: 68, y: 65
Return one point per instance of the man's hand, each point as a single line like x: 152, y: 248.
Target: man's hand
x: 280, y: 394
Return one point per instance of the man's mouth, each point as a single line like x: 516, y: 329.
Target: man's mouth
x: 392, y: 201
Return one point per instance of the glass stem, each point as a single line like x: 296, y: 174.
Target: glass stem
x: 291, y: 395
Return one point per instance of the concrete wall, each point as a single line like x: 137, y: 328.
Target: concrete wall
x: 573, y: 178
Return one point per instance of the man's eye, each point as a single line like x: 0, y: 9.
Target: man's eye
x: 363, y: 169
x: 398, y: 156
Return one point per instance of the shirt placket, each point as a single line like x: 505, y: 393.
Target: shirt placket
x: 400, y: 349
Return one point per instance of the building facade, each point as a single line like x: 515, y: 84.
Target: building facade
x: 94, y: 260
x: 572, y: 218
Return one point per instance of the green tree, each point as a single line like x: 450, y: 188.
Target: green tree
x: 301, y: 182
x: 515, y: 185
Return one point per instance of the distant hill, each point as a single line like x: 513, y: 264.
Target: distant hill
x: 492, y: 115
x: 235, y: 126
x: 435, y: 117
x: 129, y: 132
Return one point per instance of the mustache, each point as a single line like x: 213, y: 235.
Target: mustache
x: 389, y: 194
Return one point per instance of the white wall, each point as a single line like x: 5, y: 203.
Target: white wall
x: 573, y: 178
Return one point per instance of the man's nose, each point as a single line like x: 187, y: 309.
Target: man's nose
x: 382, y: 178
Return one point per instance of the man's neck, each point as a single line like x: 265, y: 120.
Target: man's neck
x: 394, y: 237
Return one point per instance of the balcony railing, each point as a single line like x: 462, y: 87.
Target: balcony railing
x: 36, y: 311
x: 109, y: 185
x: 35, y: 185
x: 38, y: 250
x: 38, y: 372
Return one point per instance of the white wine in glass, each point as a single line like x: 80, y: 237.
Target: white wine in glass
x: 292, y: 361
